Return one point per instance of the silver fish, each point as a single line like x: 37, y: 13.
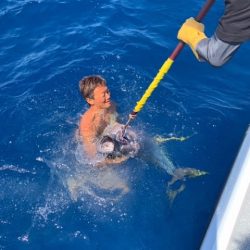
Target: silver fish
x: 113, y: 144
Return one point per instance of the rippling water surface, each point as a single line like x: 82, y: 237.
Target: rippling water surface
x: 50, y: 198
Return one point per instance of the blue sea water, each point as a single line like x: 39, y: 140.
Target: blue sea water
x: 46, y: 48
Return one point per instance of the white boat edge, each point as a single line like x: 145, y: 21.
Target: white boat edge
x: 226, y: 213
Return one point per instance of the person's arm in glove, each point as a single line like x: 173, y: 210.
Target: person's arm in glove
x: 213, y: 50
x: 191, y: 33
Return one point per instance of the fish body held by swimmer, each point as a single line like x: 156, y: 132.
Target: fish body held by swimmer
x: 113, y: 144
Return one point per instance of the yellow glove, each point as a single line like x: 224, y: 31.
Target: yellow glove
x: 191, y: 33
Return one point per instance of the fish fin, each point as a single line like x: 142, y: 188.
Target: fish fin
x: 161, y: 139
x: 173, y: 193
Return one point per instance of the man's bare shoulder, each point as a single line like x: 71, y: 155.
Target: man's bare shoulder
x: 86, y: 121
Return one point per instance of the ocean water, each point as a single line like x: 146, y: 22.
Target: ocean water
x: 49, y: 197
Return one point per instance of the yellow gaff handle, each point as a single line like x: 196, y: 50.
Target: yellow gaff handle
x: 166, y: 66
x: 163, y: 70
x: 153, y: 85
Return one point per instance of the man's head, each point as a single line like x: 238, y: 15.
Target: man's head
x: 94, y: 90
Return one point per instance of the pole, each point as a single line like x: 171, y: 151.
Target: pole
x: 165, y: 68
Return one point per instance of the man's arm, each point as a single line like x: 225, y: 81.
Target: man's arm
x: 215, y: 51
x: 88, y: 134
x: 233, y: 29
x: 89, y: 145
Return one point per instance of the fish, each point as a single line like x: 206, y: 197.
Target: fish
x: 182, y: 173
x: 113, y: 143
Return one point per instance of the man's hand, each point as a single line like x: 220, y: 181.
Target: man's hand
x: 191, y: 33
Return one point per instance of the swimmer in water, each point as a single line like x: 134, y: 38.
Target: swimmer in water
x: 102, y: 135
x: 101, y: 113
x: 105, y: 143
